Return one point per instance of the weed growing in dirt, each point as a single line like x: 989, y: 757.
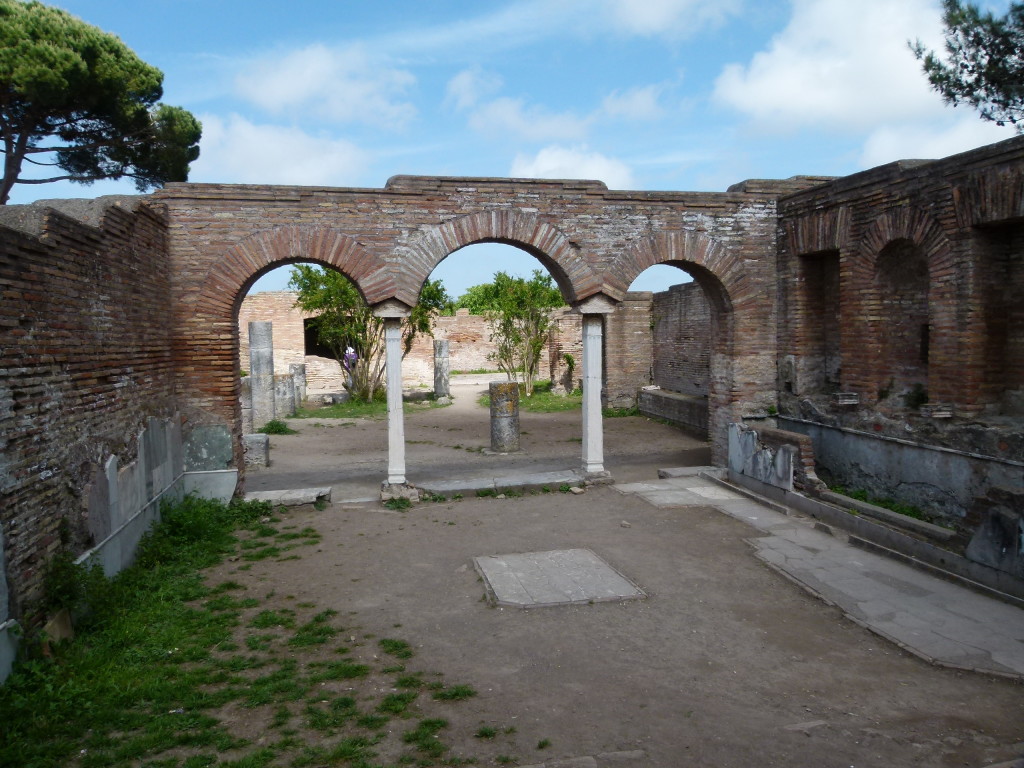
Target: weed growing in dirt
x: 397, y: 648
x: 455, y: 693
x: 277, y: 427
x: 398, y: 505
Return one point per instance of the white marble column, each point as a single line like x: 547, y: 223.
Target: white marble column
x: 396, y: 417
x: 593, y: 429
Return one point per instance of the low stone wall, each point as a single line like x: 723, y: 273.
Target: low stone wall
x: 941, y: 480
x: 123, y: 501
x: 773, y: 456
x: 686, y: 411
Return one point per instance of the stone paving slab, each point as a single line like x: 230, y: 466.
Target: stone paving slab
x: 940, y: 621
x: 291, y: 498
x: 490, y: 481
x: 558, y: 577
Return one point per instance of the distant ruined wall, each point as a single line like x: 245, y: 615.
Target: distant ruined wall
x: 681, y: 317
x: 85, y: 361
x: 627, y: 345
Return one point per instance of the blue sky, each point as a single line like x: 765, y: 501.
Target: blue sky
x: 641, y: 94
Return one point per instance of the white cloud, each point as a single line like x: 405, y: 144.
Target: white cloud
x: 931, y: 141
x: 672, y: 18
x: 469, y: 86
x: 513, y: 117
x: 640, y: 103
x: 556, y: 162
x: 338, y: 84
x: 839, y: 64
x: 236, y: 151
x: 505, y: 26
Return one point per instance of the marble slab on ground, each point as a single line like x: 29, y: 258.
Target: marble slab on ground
x: 558, y: 577
x: 291, y: 498
x: 500, y: 482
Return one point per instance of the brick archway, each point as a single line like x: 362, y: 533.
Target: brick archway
x: 234, y: 272
x: 913, y: 226
x: 208, y: 319
x: 562, y: 258
x: 741, y: 367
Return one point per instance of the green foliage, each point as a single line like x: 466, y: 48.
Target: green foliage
x: 519, y: 313
x: 277, y: 427
x: 984, y: 61
x: 397, y: 648
x: 617, y: 413
x: 543, y: 400
x: 455, y: 693
x: 907, y: 510
x: 75, y: 98
x: 398, y: 505
x: 344, y: 320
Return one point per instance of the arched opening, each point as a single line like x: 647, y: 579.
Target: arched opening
x: 456, y: 441
x: 332, y: 440
x: 658, y: 364
x: 901, y: 279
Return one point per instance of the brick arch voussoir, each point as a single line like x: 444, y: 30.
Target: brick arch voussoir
x: 720, y: 272
x: 420, y: 257
x: 223, y: 284
x: 909, y: 224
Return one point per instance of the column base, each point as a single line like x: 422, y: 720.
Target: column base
x: 596, y: 473
x: 400, y: 490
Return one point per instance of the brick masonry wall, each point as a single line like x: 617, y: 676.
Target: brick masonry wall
x: 85, y: 359
x: 593, y: 240
x: 628, y: 350
x: 682, y: 340
x: 920, y: 265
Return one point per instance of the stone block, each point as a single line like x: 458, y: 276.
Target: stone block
x: 257, y: 450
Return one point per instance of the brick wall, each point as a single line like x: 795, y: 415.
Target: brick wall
x: 86, y: 360
x: 628, y: 349
x: 682, y: 340
x: 594, y: 241
x: 907, y: 278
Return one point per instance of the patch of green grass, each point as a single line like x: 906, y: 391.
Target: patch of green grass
x: 397, y: 648
x: 314, y: 632
x: 397, y: 703
x: 355, y: 409
x: 337, y: 670
x: 277, y: 427
x: 617, y: 413
x: 350, y: 409
x: 409, y: 681
x: 907, y: 510
x: 543, y: 400
x: 398, y: 505
x: 543, y: 743
x: 486, y: 732
x: 424, y: 737
x: 455, y: 693
x: 157, y: 654
x: 372, y: 722
x: 268, y: 619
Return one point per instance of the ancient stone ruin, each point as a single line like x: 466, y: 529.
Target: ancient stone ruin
x: 869, y: 329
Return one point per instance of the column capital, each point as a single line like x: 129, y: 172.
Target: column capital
x: 597, y: 304
x: 392, y: 308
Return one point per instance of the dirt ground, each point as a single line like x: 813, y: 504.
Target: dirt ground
x: 726, y: 663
